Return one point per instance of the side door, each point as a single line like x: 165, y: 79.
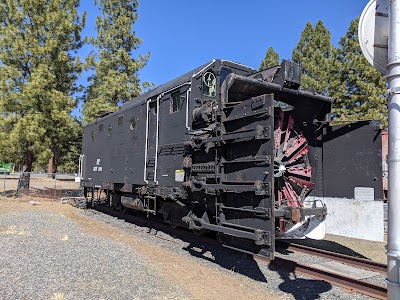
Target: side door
x: 151, y: 151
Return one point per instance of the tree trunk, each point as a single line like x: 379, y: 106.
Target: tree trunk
x: 51, y: 167
x: 25, y: 176
x: 53, y: 162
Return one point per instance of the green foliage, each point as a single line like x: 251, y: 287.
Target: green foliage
x: 362, y: 94
x: 315, y: 55
x: 69, y: 154
x: 38, y: 72
x: 271, y: 59
x: 116, y: 77
x: 342, y: 73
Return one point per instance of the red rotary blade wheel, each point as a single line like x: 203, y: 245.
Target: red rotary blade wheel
x: 292, y: 171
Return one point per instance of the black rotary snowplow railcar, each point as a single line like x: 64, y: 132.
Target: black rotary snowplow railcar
x: 232, y: 150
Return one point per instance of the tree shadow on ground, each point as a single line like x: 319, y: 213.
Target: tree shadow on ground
x: 197, y: 246
x: 235, y: 261
x: 231, y: 260
x: 319, y: 244
x: 300, y: 288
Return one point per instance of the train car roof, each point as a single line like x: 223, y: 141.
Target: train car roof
x: 181, y: 80
x: 159, y: 89
x: 165, y: 87
x: 187, y: 77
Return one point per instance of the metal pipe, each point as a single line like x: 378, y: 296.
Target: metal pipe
x: 393, y: 80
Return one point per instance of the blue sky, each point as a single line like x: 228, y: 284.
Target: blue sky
x: 182, y: 35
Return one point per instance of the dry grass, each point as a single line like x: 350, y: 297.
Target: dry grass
x: 58, y: 296
x: 41, y: 188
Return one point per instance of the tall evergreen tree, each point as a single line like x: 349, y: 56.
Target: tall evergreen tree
x: 116, y: 77
x: 315, y: 54
x: 38, y: 72
x: 363, y: 94
x: 68, y: 156
x: 271, y: 59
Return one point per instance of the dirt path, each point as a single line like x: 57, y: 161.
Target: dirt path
x: 199, y: 281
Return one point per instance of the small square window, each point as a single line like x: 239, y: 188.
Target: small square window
x: 176, y: 101
x: 120, y: 120
x: 101, y: 128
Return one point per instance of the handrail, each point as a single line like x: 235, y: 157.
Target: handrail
x: 157, y: 133
x: 187, y: 108
x: 203, y: 69
x: 146, y: 141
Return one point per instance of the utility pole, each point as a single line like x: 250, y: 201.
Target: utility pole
x: 393, y: 80
x: 379, y: 36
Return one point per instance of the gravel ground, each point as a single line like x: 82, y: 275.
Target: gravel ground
x: 45, y: 256
x: 53, y: 250
x: 244, y: 267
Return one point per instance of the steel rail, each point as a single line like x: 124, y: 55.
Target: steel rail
x: 349, y: 260
x: 349, y: 283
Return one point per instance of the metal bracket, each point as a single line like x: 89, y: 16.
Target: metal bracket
x: 393, y: 91
x: 388, y: 161
x: 259, y: 236
x: 259, y: 188
x: 257, y: 133
x: 397, y: 284
x: 396, y: 256
x: 259, y: 211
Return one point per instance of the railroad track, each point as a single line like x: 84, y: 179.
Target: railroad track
x: 346, y: 259
x: 349, y: 283
x: 357, y: 285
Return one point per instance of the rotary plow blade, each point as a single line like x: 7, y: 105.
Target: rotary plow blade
x: 292, y: 174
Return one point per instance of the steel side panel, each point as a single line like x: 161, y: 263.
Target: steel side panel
x: 352, y: 157
x: 120, y: 154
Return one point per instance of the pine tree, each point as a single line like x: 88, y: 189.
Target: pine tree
x: 116, y: 77
x: 315, y: 54
x: 38, y: 72
x: 271, y: 59
x: 363, y: 95
x: 68, y: 157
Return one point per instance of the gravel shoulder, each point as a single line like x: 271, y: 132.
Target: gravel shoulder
x: 61, y: 251
x: 85, y: 254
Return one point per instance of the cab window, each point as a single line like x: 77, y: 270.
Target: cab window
x: 176, y: 101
